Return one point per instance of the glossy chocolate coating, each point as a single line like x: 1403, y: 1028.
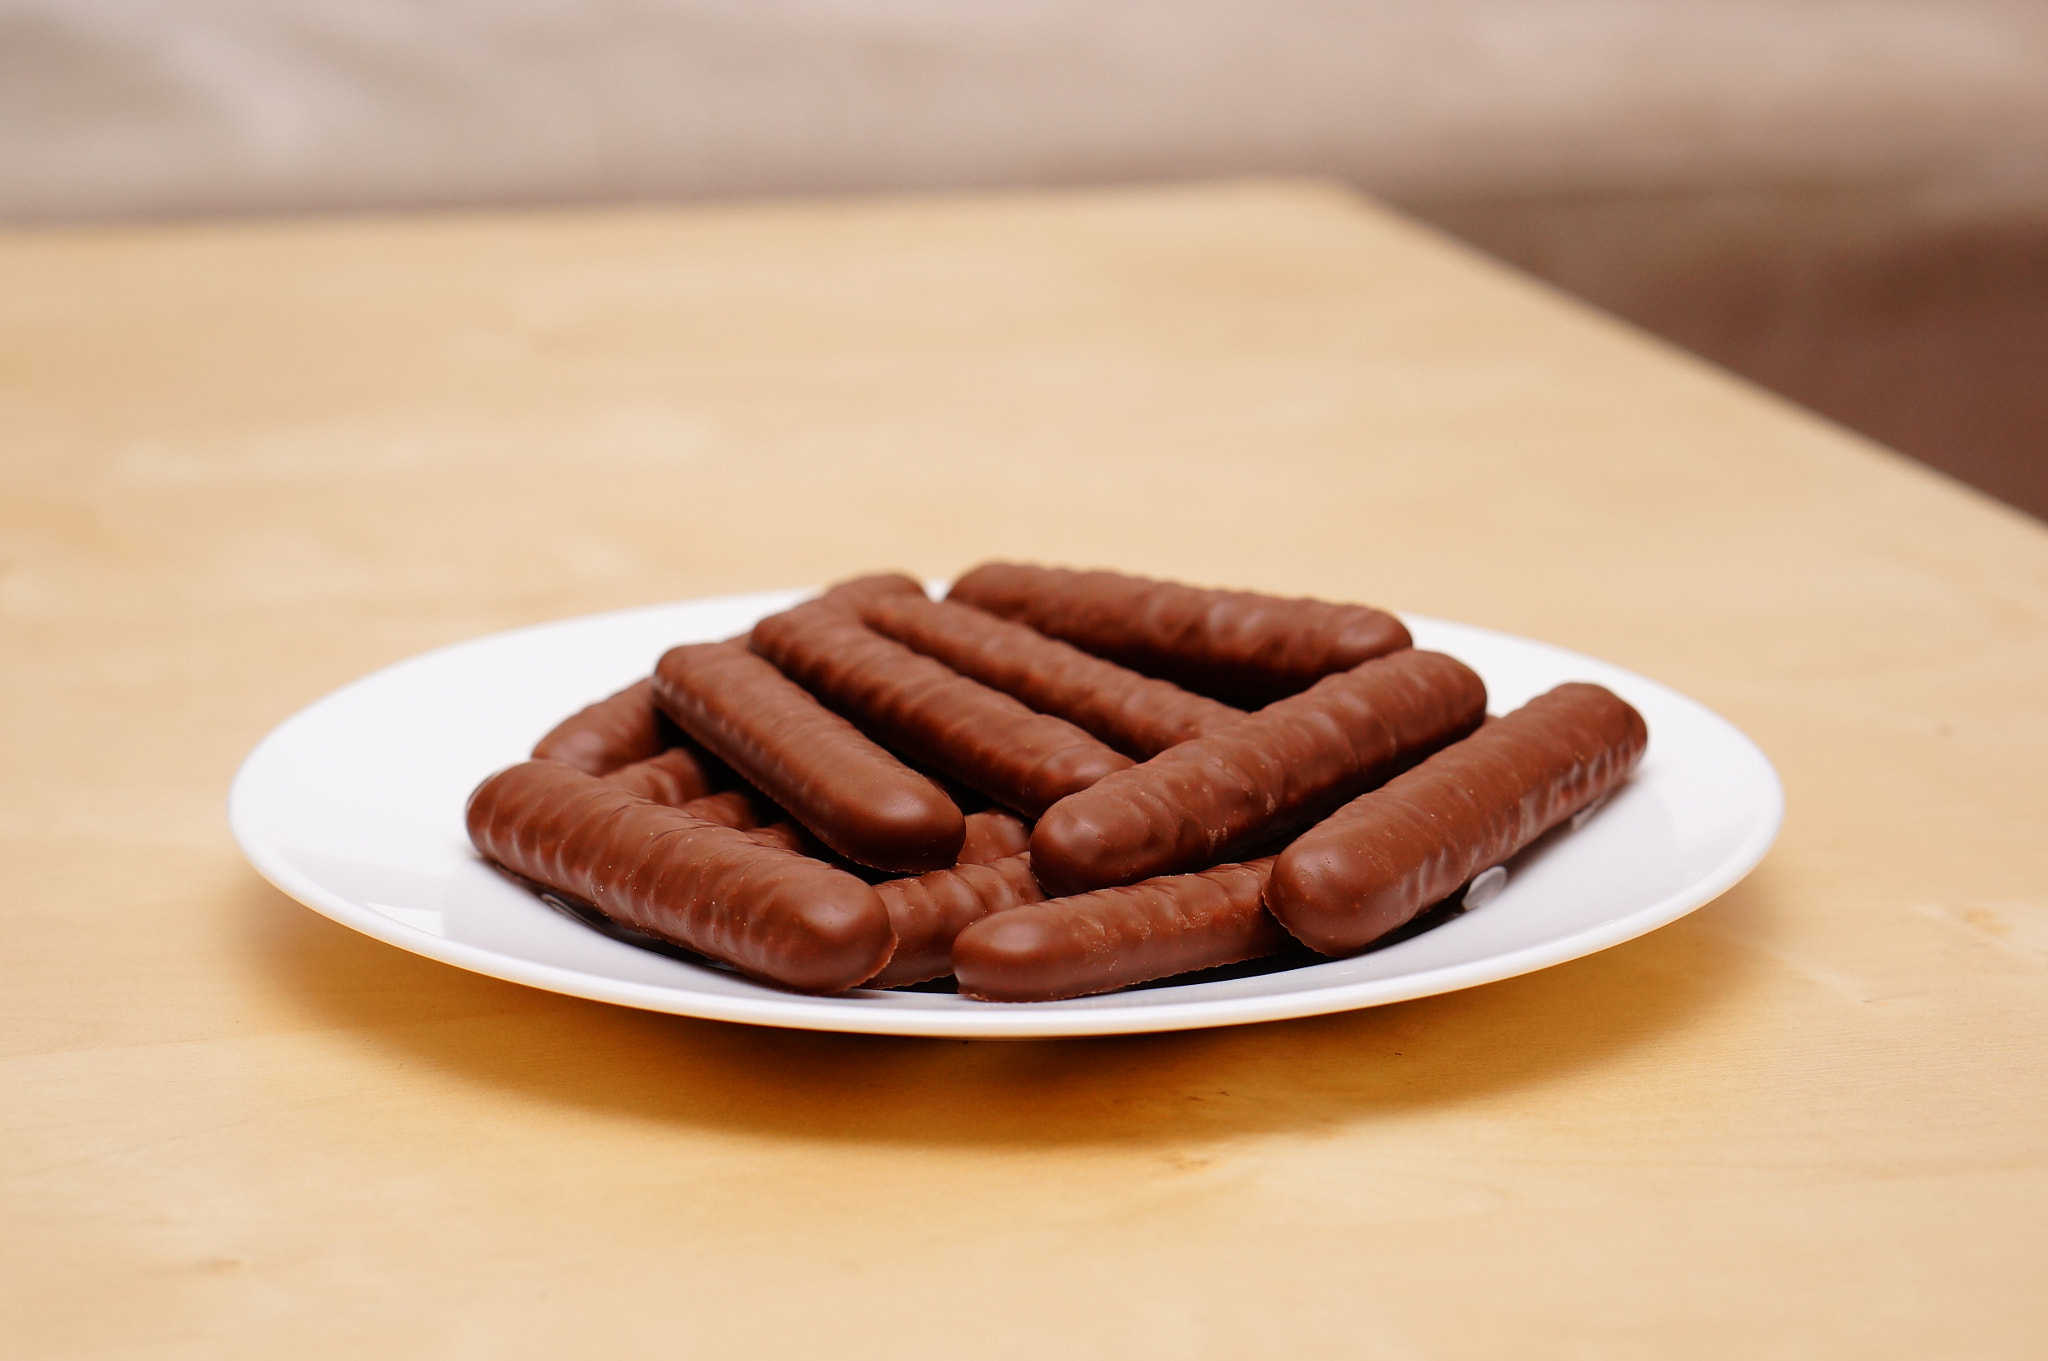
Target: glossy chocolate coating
x: 1387, y: 855
x: 931, y: 713
x: 744, y: 810
x: 613, y: 732
x: 928, y: 911
x: 748, y: 811
x: 1234, y: 645
x: 789, y: 837
x: 674, y: 777
x: 774, y: 914
x: 1138, y: 715
x: 994, y: 835
x: 1114, y: 937
x: 858, y: 799
x: 735, y: 808
x: 1287, y: 764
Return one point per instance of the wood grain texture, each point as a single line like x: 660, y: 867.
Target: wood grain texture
x: 245, y: 465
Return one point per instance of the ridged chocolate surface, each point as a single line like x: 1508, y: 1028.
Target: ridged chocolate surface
x: 858, y: 799
x: 746, y: 811
x: 734, y: 808
x: 1279, y: 768
x: 613, y: 732
x: 1138, y: 715
x: 775, y: 914
x: 787, y: 836
x: 1388, y: 854
x: 933, y: 714
x: 674, y: 777
x: 1234, y: 645
x: 929, y: 910
x: 1114, y: 937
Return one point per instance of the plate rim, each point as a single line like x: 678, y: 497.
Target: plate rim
x: 848, y: 1013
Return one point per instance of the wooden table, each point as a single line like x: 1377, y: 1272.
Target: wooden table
x: 246, y: 464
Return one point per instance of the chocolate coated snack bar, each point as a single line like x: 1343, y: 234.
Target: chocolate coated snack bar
x: 674, y: 777
x: 1285, y: 765
x: 774, y: 914
x: 1138, y: 715
x: 1114, y: 937
x: 1387, y: 855
x: 743, y: 810
x: 734, y: 808
x: 928, y: 911
x: 858, y: 592
x: 993, y: 835
x: 931, y: 713
x: 785, y: 836
x: 1233, y: 645
x: 614, y: 732
x: 746, y: 811
x: 858, y: 799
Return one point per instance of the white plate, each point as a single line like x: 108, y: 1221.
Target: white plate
x: 354, y: 807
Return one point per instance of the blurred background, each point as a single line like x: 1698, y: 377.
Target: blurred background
x: 1844, y: 200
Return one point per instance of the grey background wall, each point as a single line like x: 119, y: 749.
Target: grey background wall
x: 1844, y: 199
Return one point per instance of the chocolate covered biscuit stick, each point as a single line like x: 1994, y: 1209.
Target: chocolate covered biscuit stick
x: 931, y: 713
x: 856, y: 593
x: 770, y: 912
x: 856, y: 797
x: 1138, y: 715
x: 1387, y: 855
x: 993, y: 835
x: 1234, y: 645
x: 1287, y: 764
x: 599, y: 738
x: 674, y: 777
x: 1114, y: 937
x: 930, y: 910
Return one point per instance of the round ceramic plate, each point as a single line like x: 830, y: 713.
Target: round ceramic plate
x: 354, y: 807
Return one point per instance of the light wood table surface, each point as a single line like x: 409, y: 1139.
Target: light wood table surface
x: 244, y: 465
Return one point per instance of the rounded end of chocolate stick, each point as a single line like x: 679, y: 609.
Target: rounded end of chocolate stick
x: 1072, y: 853
x: 1370, y: 633
x: 476, y: 812
x: 1330, y: 901
x: 837, y: 942
x: 1014, y: 956
x: 904, y: 830
x: 861, y: 591
x: 993, y: 835
x: 588, y: 752
x: 1072, y: 769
